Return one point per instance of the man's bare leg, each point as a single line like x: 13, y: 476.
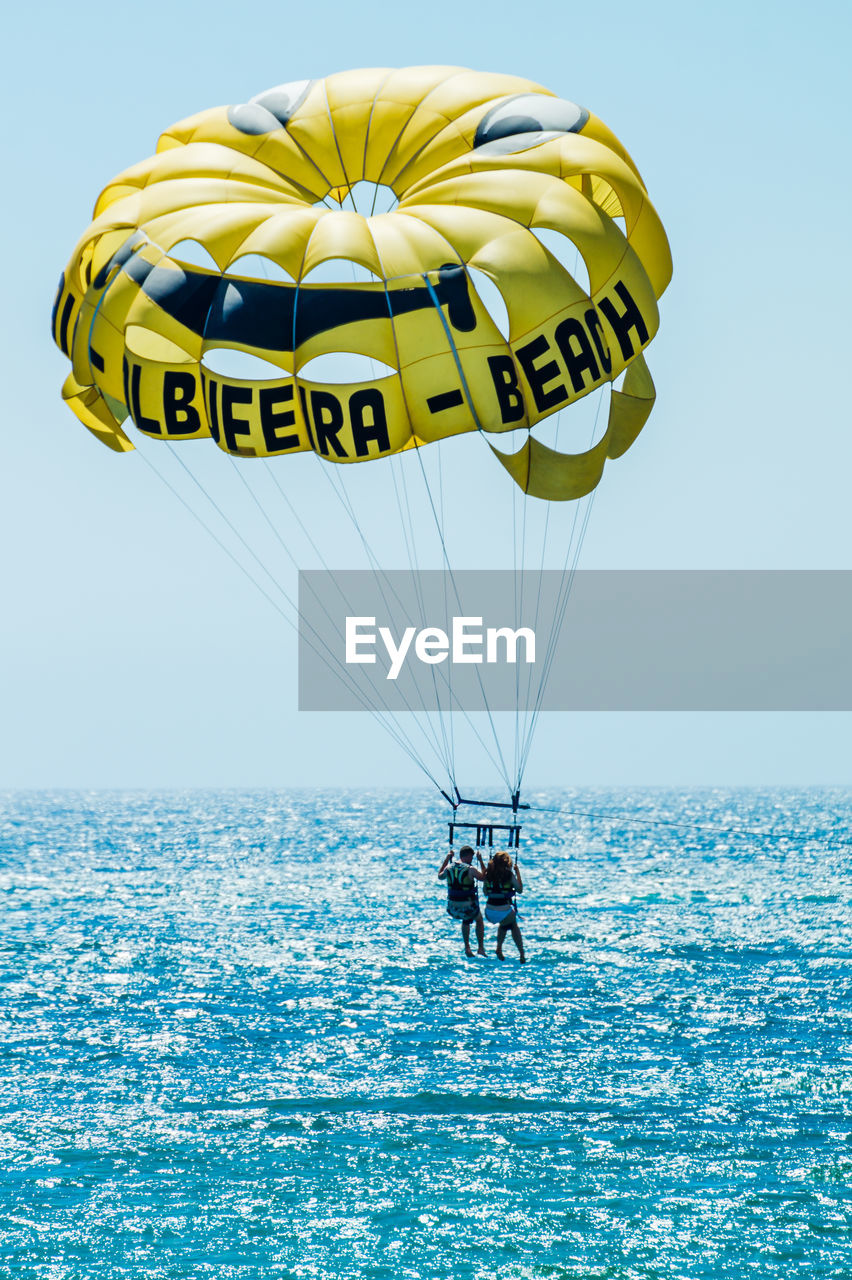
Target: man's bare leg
x: 480, y: 935
x: 466, y: 937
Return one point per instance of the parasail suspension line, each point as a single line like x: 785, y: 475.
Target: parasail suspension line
x: 531, y: 721
x: 503, y: 769
x: 411, y: 549
x: 393, y: 728
x: 379, y: 574
x: 550, y: 653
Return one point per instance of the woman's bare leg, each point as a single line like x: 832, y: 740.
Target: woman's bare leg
x: 517, y: 939
x: 501, y: 938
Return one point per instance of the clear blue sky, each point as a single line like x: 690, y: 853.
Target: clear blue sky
x: 124, y: 628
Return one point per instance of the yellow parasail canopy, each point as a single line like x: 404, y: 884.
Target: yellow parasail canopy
x: 477, y: 163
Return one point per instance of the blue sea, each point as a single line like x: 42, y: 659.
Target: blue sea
x: 240, y: 1039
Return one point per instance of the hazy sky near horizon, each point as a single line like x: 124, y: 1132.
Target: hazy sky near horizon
x: 133, y: 654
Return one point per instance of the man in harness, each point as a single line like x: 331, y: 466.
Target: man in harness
x: 463, y: 896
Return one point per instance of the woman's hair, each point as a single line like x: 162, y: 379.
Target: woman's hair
x: 499, y: 869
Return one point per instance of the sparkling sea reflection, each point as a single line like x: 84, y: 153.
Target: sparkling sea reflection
x: 239, y: 1038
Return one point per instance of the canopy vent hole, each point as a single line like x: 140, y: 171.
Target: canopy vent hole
x: 255, y: 266
x: 371, y: 198
x: 344, y: 367
x: 340, y: 271
x: 566, y: 254
x: 367, y: 198
x: 491, y: 299
x: 241, y: 365
x: 192, y: 253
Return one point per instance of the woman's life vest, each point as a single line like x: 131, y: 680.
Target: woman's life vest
x: 499, y: 893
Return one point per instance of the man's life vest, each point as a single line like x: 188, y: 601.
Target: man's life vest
x: 461, y: 885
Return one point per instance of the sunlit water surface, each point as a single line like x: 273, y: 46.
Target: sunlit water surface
x: 239, y: 1038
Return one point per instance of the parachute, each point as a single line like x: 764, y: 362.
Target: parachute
x: 452, y: 303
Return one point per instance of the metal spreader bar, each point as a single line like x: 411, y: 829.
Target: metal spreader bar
x: 485, y: 830
x: 485, y: 833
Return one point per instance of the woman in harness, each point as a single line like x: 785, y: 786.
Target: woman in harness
x: 502, y: 882
x: 463, y: 897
